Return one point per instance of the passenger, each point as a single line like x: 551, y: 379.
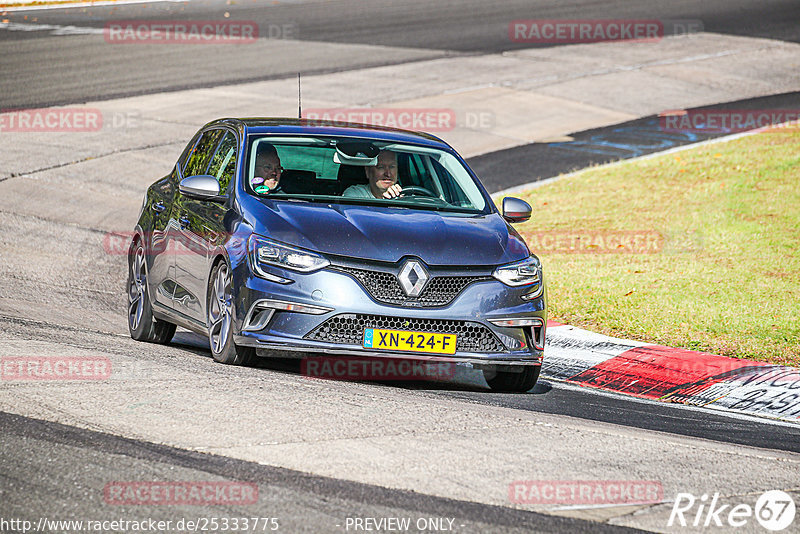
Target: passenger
x: 382, y: 179
x: 267, y: 176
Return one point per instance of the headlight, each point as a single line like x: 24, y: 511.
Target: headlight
x: 521, y: 273
x: 263, y: 252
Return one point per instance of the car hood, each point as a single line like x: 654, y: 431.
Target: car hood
x: 388, y: 234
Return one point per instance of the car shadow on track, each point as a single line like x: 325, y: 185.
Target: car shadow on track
x: 463, y: 379
x: 540, y: 388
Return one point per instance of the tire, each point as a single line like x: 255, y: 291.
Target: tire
x: 219, y: 318
x: 511, y: 381
x: 142, y: 325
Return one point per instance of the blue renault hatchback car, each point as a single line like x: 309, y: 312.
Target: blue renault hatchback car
x: 282, y: 236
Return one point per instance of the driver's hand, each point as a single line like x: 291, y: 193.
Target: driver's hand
x: 393, y: 191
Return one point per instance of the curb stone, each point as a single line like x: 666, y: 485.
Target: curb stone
x: 670, y: 374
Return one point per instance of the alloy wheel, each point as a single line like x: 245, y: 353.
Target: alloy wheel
x: 220, y: 310
x: 136, y: 289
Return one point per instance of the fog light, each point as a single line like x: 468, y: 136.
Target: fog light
x: 261, y: 312
x: 298, y: 307
x: 517, y: 322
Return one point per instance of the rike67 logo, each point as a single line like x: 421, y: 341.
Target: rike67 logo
x: 774, y: 510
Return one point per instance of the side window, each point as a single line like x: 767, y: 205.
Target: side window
x: 417, y: 173
x: 223, y: 164
x: 187, y: 152
x: 202, y: 152
x: 452, y: 191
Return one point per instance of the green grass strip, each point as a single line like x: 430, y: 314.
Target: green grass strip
x: 698, y: 249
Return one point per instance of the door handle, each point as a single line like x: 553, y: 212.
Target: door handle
x: 159, y: 206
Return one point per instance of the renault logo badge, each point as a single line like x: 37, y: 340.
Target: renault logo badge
x: 412, y: 277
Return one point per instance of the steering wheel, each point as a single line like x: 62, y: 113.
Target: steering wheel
x: 414, y: 190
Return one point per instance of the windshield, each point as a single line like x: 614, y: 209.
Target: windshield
x: 360, y: 171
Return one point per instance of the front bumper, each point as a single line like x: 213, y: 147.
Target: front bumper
x: 327, y: 295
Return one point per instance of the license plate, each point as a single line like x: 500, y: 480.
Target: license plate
x: 375, y: 338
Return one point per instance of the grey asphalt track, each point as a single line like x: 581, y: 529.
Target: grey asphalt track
x: 59, y: 472
x: 512, y: 167
x: 85, y: 67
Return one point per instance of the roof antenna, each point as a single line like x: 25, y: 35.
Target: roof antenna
x: 299, y: 106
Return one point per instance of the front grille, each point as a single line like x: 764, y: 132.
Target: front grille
x: 349, y: 328
x: 384, y: 287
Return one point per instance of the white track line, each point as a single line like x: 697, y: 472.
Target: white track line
x: 70, y: 5
x: 533, y: 185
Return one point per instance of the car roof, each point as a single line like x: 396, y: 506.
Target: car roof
x: 286, y: 126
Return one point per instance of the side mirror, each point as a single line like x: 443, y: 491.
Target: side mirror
x: 516, y: 210
x: 202, y: 187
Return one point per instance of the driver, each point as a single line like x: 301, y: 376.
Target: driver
x: 382, y: 179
